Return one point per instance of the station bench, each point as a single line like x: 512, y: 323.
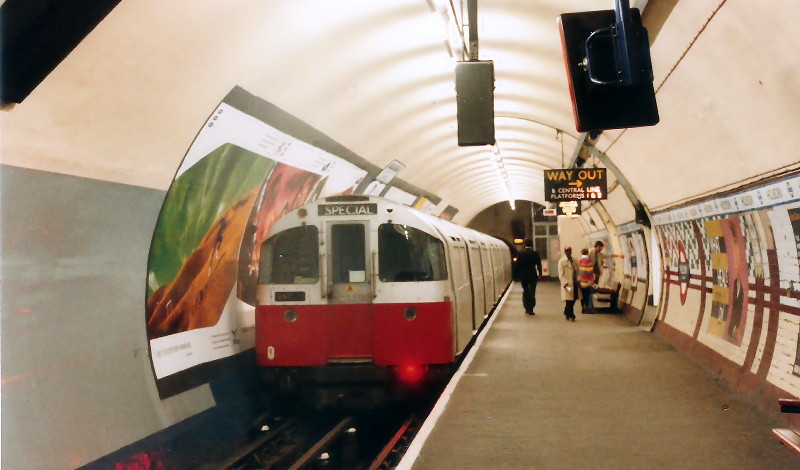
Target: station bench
x: 789, y: 437
x: 603, y: 295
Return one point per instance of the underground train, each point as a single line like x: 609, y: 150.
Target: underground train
x: 361, y: 301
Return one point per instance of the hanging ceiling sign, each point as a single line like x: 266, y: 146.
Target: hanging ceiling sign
x: 575, y: 184
x: 569, y: 208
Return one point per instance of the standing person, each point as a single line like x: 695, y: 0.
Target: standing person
x: 568, y: 278
x: 529, y: 268
x: 597, y: 257
x: 586, y: 278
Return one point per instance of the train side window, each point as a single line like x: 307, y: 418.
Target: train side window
x: 407, y: 254
x: 291, y: 257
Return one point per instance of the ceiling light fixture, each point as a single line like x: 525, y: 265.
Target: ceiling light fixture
x: 453, y: 33
x: 500, y: 167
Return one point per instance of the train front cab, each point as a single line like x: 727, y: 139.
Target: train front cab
x: 353, y: 299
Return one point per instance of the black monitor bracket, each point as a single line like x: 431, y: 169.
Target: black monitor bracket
x: 631, y: 50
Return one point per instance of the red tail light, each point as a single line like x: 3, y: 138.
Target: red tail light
x: 410, y: 374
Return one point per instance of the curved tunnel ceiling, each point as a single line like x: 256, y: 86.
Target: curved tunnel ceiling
x: 378, y: 78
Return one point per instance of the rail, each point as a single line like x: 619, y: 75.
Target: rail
x: 381, y: 460
x: 317, y: 449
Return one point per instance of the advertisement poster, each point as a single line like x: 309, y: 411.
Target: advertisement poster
x: 401, y: 197
x: 730, y: 274
x: 448, y: 213
x: 794, y: 221
x: 638, y: 265
x: 239, y: 176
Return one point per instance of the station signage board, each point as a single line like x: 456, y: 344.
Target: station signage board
x: 577, y: 184
x: 568, y: 208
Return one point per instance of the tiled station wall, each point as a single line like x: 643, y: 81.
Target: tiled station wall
x: 731, y: 287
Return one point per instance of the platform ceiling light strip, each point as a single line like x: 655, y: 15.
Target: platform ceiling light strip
x: 451, y: 27
x: 501, y: 171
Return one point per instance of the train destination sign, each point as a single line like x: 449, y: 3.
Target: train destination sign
x: 347, y: 209
x: 575, y: 184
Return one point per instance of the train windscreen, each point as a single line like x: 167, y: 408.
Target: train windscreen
x: 348, y: 253
x: 407, y: 254
x: 291, y: 257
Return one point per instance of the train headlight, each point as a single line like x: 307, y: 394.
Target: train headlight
x: 410, y: 313
x: 290, y: 315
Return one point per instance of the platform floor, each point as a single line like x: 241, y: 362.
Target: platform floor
x: 599, y: 393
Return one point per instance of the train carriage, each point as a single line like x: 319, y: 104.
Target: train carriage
x: 358, y: 292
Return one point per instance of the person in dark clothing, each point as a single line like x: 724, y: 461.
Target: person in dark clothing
x: 529, y: 268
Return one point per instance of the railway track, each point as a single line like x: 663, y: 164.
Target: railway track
x: 393, y: 451
x: 305, y: 443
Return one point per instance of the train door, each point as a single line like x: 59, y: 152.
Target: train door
x: 497, y: 266
x: 488, y: 277
x: 349, y: 290
x: 460, y: 283
x: 476, y: 270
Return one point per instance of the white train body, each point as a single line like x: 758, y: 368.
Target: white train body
x: 358, y: 288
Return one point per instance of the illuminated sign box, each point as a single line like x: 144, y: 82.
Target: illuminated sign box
x: 576, y: 184
x: 569, y: 208
x: 347, y: 209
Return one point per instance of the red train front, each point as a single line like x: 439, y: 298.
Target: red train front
x: 354, y: 301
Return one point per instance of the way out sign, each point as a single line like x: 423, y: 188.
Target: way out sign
x: 575, y: 184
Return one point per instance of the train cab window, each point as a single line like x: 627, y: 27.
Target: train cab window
x: 291, y: 257
x: 348, y: 253
x: 408, y: 254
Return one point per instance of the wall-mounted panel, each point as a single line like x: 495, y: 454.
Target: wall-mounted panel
x: 76, y: 371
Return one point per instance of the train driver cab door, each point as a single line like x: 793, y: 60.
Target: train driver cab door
x: 349, y: 290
